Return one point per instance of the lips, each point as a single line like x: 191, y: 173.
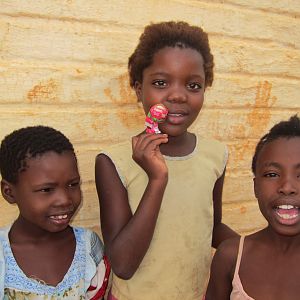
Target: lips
x: 61, y: 218
x: 176, y: 117
x: 287, y: 214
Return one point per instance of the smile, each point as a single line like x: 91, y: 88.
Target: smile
x: 176, y: 118
x: 175, y: 115
x: 59, y: 217
x: 287, y: 212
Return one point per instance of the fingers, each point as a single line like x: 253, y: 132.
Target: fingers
x: 146, y: 153
x: 148, y: 141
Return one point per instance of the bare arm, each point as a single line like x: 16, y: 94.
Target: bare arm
x: 222, y: 271
x: 221, y: 231
x: 127, y: 236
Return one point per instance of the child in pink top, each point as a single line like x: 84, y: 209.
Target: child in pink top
x: 265, y: 265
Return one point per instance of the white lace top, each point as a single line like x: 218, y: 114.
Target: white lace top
x: 14, y: 284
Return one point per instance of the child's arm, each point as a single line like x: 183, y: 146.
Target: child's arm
x: 2, y: 271
x: 221, y: 231
x: 222, y: 271
x: 127, y: 236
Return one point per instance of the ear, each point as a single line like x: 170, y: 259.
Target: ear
x: 7, y: 191
x: 138, y: 90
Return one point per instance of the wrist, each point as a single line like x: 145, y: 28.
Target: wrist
x: 159, y: 181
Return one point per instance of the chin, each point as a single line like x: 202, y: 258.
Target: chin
x: 286, y: 231
x: 173, y: 132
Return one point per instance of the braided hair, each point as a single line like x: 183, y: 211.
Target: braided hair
x: 29, y: 142
x: 284, y: 129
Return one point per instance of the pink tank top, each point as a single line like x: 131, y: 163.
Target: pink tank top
x: 238, y: 292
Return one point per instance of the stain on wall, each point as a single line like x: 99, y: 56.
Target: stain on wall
x: 260, y: 115
x: 124, y: 94
x: 44, y: 92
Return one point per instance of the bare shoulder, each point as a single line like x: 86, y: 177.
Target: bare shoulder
x: 222, y: 270
x: 228, y: 249
x: 105, y: 170
x: 103, y: 161
x: 226, y: 255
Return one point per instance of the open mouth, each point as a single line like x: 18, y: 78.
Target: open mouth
x: 59, y: 217
x: 287, y: 213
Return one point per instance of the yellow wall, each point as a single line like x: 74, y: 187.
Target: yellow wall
x: 63, y: 64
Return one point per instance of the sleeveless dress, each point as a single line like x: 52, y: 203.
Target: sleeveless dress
x: 176, y: 265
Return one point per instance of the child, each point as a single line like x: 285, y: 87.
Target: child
x: 161, y: 196
x: 265, y: 265
x: 41, y: 256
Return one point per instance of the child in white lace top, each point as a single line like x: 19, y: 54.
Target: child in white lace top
x: 41, y: 255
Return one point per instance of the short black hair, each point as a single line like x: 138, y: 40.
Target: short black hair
x: 26, y: 143
x: 284, y: 129
x: 157, y: 36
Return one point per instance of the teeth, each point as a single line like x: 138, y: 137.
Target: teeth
x: 60, y: 217
x: 287, y: 206
x: 175, y: 115
x: 287, y: 216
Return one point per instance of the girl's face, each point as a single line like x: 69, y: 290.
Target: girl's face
x: 277, y: 185
x: 48, y: 192
x: 176, y: 79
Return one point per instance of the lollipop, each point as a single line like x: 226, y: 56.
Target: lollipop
x: 157, y: 114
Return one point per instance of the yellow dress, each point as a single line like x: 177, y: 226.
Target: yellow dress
x: 177, y: 263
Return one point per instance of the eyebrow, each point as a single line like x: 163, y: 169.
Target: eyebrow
x: 53, y: 183
x: 271, y: 164
x: 168, y: 74
x: 158, y: 73
x: 277, y: 165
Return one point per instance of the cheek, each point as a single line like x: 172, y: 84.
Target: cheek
x: 197, y: 108
x: 145, y: 107
x: 28, y: 209
x: 77, y: 197
x: 148, y: 104
x: 264, y: 212
x: 264, y: 200
x: 198, y: 103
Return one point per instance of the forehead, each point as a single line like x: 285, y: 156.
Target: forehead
x: 49, y: 164
x: 284, y: 151
x: 174, y: 58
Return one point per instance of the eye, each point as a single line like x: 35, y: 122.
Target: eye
x: 74, y: 184
x: 46, y: 190
x: 159, y: 83
x: 270, y: 175
x: 194, y: 86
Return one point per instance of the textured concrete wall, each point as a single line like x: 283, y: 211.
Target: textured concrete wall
x: 63, y: 64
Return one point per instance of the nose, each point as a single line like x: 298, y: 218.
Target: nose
x: 287, y: 186
x: 63, y: 198
x: 177, y: 94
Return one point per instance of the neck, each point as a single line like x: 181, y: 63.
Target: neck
x: 179, y: 145
x: 282, y: 243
